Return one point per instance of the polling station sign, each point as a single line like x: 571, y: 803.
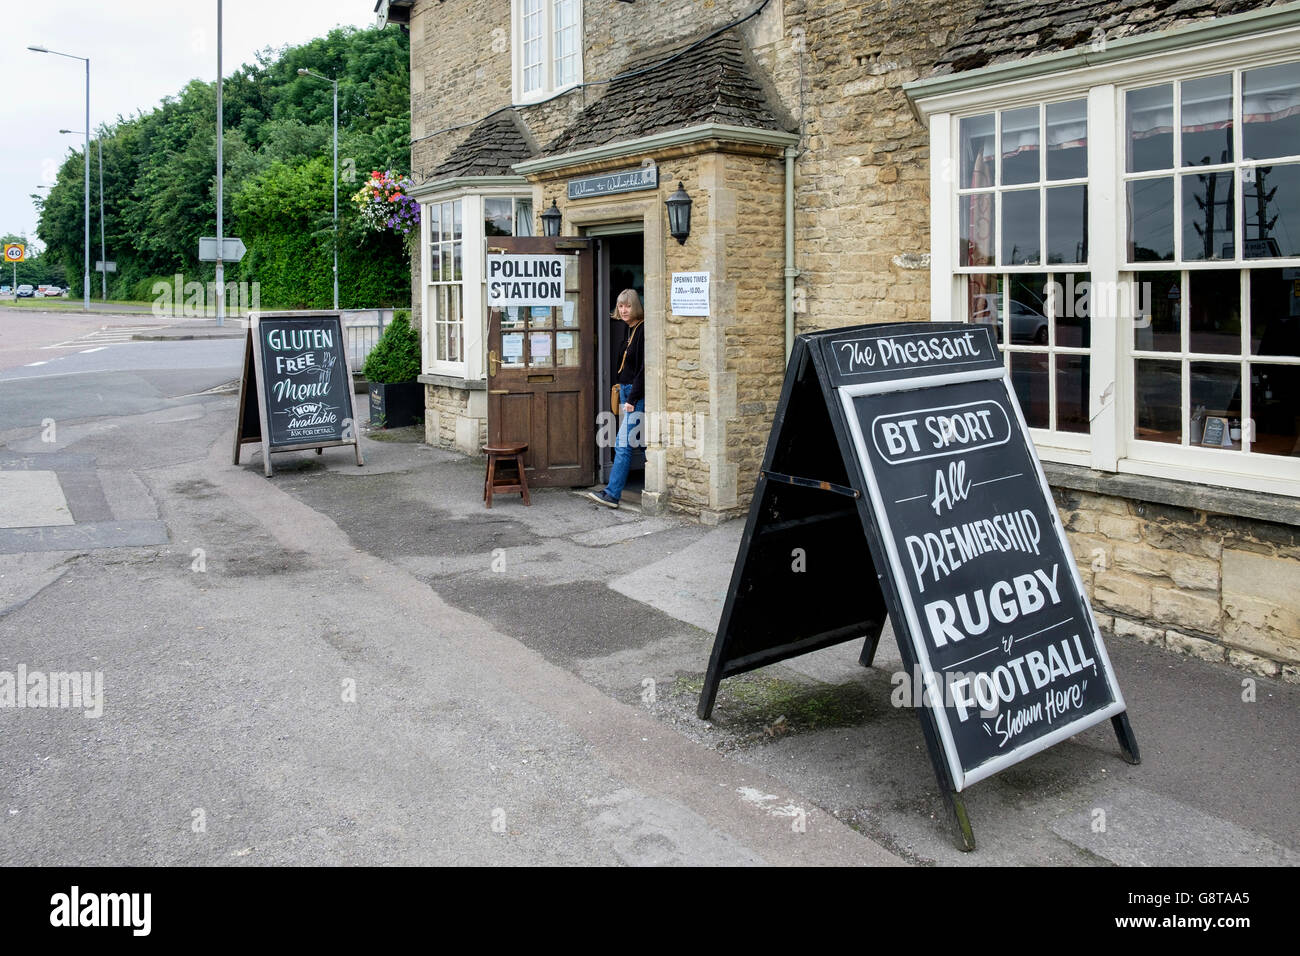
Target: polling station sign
x: 901, y: 477
x: 525, y: 280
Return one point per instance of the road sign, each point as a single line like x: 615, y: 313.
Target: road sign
x: 101, y: 265
x: 15, y: 252
x: 232, y: 249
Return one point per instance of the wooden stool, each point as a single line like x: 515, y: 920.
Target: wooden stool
x: 494, y: 483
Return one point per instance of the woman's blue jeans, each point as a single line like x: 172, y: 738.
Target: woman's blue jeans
x: 622, y: 450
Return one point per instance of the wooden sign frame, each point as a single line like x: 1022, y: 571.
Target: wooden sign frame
x: 818, y: 503
x: 255, y: 429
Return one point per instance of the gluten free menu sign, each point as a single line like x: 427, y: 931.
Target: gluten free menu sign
x: 296, y: 390
x: 306, y: 387
x: 1006, y: 650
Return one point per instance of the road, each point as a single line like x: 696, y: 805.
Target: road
x: 275, y: 693
x: 361, y: 665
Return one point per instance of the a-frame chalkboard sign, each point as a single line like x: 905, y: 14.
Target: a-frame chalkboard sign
x: 296, y: 390
x: 900, y: 481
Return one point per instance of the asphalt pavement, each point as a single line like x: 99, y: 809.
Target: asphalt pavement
x: 346, y: 664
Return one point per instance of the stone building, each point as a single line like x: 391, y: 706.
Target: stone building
x: 1015, y: 162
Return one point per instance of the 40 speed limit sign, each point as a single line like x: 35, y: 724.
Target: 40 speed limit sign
x: 15, y: 252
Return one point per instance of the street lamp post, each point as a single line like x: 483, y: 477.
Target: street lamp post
x: 103, y: 276
x: 85, y: 280
x: 335, y: 84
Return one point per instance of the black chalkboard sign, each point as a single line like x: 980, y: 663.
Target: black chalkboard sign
x: 900, y: 479
x: 296, y: 371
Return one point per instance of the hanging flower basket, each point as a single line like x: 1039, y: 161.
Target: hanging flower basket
x: 386, y: 206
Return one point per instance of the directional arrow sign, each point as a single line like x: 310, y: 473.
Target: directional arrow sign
x: 232, y: 249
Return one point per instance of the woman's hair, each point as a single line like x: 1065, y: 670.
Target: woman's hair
x: 631, y: 298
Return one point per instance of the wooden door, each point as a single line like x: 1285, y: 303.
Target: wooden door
x: 541, y: 369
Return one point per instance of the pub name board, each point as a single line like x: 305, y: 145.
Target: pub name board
x: 607, y: 184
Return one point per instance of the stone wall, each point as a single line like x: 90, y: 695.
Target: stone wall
x: 1212, y: 586
x: 455, y: 418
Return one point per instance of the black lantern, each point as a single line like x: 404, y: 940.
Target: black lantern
x: 679, y: 214
x: 551, y: 220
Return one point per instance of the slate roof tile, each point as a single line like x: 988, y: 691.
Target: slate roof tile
x: 706, y: 83
x: 1012, y: 29
x: 491, y: 148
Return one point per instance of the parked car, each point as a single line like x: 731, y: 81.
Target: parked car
x: 1028, y: 325
x: 25, y: 291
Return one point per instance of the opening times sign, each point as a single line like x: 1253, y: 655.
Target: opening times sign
x: 1007, y: 654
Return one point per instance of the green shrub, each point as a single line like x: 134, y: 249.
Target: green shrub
x: 396, y: 356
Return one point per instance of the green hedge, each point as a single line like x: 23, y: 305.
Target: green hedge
x: 396, y: 356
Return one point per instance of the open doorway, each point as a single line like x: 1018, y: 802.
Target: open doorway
x: 620, y: 264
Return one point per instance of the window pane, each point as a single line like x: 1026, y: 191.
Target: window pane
x: 541, y: 352
x: 567, y: 353
x: 1020, y: 155
x: 1157, y: 311
x: 1270, y: 112
x: 1149, y: 125
x: 457, y: 260
x: 457, y: 224
x: 984, y: 302
x: 1072, y: 393
x: 1275, y: 405
x: 977, y: 228
x: 977, y: 151
x: 1207, y: 223
x: 1270, y: 211
x: 1216, y: 393
x: 497, y: 216
x: 1158, y: 389
x: 1207, y: 120
x: 1214, y: 312
x: 1020, y: 219
x: 1275, y: 312
x: 523, y: 217
x: 1067, y: 140
x: 1151, y: 220
x: 1027, y: 307
x: 1029, y: 378
x: 454, y: 313
x: 435, y: 221
x: 1067, y: 224
x: 445, y: 271
x: 1072, y: 309
x: 446, y: 221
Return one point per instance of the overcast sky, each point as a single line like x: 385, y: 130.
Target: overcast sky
x: 140, y: 51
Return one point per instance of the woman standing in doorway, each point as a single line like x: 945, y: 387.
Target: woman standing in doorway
x: 630, y: 379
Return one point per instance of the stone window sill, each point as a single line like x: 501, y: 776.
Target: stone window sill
x: 1182, y: 494
x: 452, y: 381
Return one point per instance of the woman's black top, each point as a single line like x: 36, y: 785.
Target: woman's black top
x: 633, y: 372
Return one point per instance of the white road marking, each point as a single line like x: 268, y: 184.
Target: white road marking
x: 88, y: 351
x: 34, y: 364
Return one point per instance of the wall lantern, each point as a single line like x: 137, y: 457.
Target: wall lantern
x: 679, y: 214
x: 551, y: 220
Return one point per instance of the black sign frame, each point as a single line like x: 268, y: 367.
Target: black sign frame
x: 817, y: 491
x: 253, y: 424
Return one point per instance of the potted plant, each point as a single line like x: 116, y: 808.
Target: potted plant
x: 396, y: 398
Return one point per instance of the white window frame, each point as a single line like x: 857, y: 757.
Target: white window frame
x: 472, y: 366
x: 549, y: 84
x: 1112, y: 409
